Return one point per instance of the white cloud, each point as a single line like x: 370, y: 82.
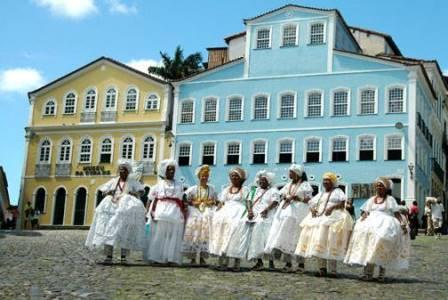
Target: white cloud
x: 143, y: 64
x: 116, y: 6
x: 75, y: 9
x: 20, y: 80
x: 445, y: 72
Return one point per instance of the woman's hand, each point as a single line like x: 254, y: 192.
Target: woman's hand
x: 313, y: 212
x: 264, y: 213
x: 219, y: 205
x: 250, y: 214
x: 328, y: 211
x: 404, y: 228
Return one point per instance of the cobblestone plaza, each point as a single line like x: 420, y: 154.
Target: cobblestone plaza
x: 56, y: 265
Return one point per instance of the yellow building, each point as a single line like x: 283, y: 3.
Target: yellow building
x: 80, y: 125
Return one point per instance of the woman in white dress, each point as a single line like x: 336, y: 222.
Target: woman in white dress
x: 166, y: 217
x: 261, y: 207
x: 202, y: 203
x: 119, y: 219
x: 227, y: 218
x: 285, y: 230
x: 327, y: 227
x: 380, y: 237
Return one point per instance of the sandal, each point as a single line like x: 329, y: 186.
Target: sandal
x: 257, y: 267
x: 271, y: 265
x: 288, y: 268
x: 322, y: 272
x: 301, y: 268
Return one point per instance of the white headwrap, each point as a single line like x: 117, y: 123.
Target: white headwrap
x: 163, y: 165
x: 125, y: 163
x: 240, y: 172
x: 384, y: 181
x: 268, y: 175
x: 298, y: 169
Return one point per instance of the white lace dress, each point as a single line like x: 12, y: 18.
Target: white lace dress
x: 324, y: 236
x: 164, y: 238
x: 379, y: 239
x: 197, y: 227
x: 224, y: 223
x: 285, y: 229
x: 120, y: 222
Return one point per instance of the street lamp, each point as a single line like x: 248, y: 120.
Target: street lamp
x: 411, y: 170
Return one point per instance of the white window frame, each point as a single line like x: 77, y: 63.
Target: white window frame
x: 86, y: 138
x: 241, y: 97
x: 40, y: 149
x: 252, y: 149
x: 179, y: 121
x: 296, y: 43
x: 44, y: 113
x: 59, y: 161
x: 358, y: 145
x: 333, y: 92
x: 122, y: 147
x: 101, y: 148
x: 204, y: 100
x: 84, y: 109
x: 305, y: 148
x: 106, y: 94
x: 279, y: 107
x: 386, y: 138
x: 310, y: 24
x: 205, y: 143
x: 347, y: 151
x: 190, y: 144
x: 137, y: 97
x: 322, y: 100
x: 364, y: 88
x: 147, y: 101
x: 154, y: 143
x: 226, y: 145
x: 293, y: 149
x: 268, y: 113
x: 270, y: 37
x: 65, y: 102
x: 388, y: 88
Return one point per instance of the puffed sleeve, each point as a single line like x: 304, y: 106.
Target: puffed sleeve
x: 222, y: 195
x: 306, y: 189
x: 136, y: 186
x: 284, y: 189
x: 153, y: 192
x: 191, y: 192
x: 108, y: 186
x: 367, y: 204
x: 339, y: 195
x: 314, y: 200
x: 392, y: 204
x: 245, y: 193
x: 213, y: 195
x: 275, y: 195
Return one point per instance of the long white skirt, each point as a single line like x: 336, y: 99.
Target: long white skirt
x: 224, y: 223
x: 119, y: 224
x: 259, y: 233
x: 325, y: 237
x: 197, y: 230
x: 164, y: 241
x: 379, y: 240
x: 285, y: 230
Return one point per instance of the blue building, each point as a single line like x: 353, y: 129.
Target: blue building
x: 301, y: 86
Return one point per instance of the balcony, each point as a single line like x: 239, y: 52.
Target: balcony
x: 63, y: 170
x: 42, y: 170
x: 88, y: 117
x: 148, y: 168
x: 108, y: 116
x: 437, y: 169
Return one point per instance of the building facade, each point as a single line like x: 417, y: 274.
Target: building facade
x: 301, y: 86
x: 4, y: 196
x: 80, y: 125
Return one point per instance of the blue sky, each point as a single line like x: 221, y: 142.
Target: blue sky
x: 41, y: 40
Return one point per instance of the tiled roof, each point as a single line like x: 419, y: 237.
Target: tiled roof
x: 234, y: 36
x: 386, y: 36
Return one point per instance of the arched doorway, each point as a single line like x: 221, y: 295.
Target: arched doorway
x: 59, y: 207
x: 99, y: 197
x: 80, y: 206
x: 39, y: 200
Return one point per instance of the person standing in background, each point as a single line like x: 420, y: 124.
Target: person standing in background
x: 437, y: 210
x: 413, y: 219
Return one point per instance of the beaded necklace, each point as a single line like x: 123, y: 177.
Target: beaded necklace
x: 326, y: 203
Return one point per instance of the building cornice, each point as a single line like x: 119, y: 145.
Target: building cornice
x: 84, y: 127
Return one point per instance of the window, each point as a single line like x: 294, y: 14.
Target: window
x: 106, y: 151
x: 85, y: 151
x: 235, y: 109
x: 366, y: 148
x: 186, y: 112
x: 285, y: 151
x: 367, y: 102
x: 263, y: 38
x: 111, y: 99
x: 208, y: 154
x: 287, y: 106
x: 70, y: 103
x: 210, y: 110
x: 65, y: 151
x: 394, y: 148
x: 50, y: 108
x: 127, y: 148
x: 233, y: 153
x: 131, y: 100
x: 148, y: 148
x: 90, y: 101
x: 339, y: 148
x: 314, y: 104
x: 289, y: 35
x: 259, y: 152
x: 184, y: 155
x: 261, y: 108
x: 340, y: 103
x: 152, y: 103
x: 44, y: 152
x: 396, y: 100
x: 312, y: 147
x: 317, y: 34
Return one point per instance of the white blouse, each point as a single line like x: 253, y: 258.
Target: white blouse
x: 388, y: 206
x: 337, y: 196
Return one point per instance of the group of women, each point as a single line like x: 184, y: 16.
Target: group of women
x: 250, y: 223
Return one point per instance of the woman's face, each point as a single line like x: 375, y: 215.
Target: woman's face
x: 170, y: 171
x: 327, y: 184
x: 123, y: 171
x: 293, y: 175
x: 380, y: 188
x: 203, y: 178
x: 263, y: 183
x: 235, y: 179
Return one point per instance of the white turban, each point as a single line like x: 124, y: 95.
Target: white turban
x: 298, y: 169
x: 268, y: 175
x: 126, y: 164
x: 164, y: 165
x: 386, y: 182
x: 240, y: 172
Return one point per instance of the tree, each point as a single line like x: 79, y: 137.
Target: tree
x: 178, y: 67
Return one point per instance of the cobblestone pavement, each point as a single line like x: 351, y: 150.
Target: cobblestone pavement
x: 55, y: 265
